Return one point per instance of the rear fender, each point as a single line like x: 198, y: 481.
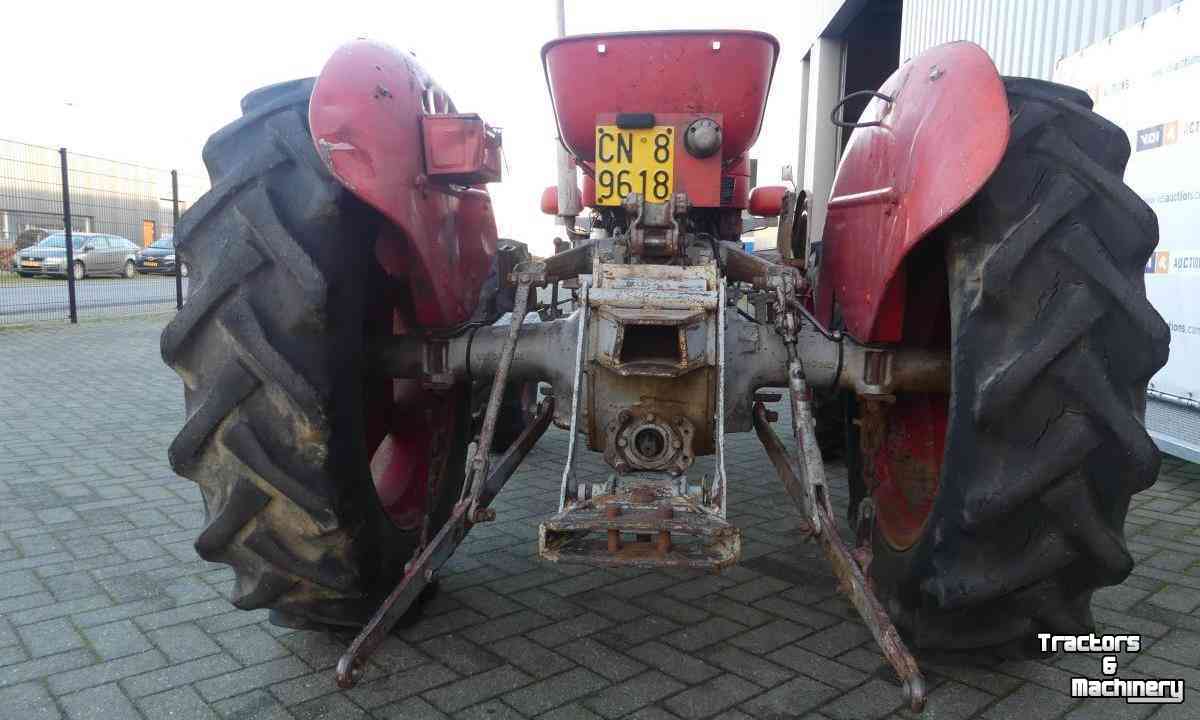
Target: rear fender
x: 937, y: 143
x: 366, y: 116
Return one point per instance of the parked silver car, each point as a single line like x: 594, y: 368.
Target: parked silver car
x: 94, y: 254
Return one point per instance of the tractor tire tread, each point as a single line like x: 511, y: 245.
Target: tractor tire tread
x: 257, y: 439
x: 1053, y: 344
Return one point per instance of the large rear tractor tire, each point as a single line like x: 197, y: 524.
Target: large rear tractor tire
x: 270, y: 348
x: 1010, y: 530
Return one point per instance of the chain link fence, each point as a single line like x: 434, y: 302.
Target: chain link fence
x: 84, y: 237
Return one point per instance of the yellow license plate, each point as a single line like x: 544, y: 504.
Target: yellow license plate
x: 151, y: 263
x: 30, y: 263
x: 634, y: 161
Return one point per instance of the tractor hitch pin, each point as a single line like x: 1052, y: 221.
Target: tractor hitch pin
x: 805, y: 484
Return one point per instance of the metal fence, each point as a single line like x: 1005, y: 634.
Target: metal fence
x: 84, y: 237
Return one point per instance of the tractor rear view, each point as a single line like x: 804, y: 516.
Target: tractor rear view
x: 360, y: 372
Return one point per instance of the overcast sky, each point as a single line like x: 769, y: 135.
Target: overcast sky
x: 149, y: 82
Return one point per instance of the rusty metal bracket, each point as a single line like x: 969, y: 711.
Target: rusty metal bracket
x: 805, y: 483
x: 527, y: 275
x: 420, y: 570
x: 720, y: 476
x: 568, y: 477
x: 852, y: 578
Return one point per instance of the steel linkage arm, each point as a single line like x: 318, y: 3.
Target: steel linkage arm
x: 420, y: 570
x: 852, y: 579
x: 805, y: 483
x: 479, y: 488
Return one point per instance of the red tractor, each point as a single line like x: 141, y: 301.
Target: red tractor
x: 973, y: 314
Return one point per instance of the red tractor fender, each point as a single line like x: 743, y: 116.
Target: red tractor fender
x: 935, y: 144
x: 366, y: 114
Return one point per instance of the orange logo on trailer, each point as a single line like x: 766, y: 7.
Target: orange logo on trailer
x: 1158, y: 263
x: 1170, y: 132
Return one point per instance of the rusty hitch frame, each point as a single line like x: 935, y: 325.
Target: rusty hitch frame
x: 419, y: 572
x: 852, y: 579
x: 806, y: 486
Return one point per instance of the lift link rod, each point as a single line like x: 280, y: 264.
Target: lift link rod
x: 527, y: 274
x: 852, y: 579
x: 419, y: 572
x: 806, y: 485
x: 478, y: 490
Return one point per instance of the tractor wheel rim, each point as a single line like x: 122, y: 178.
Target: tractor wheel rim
x: 907, y: 467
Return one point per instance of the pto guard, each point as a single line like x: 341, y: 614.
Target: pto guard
x: 377, y: 119
x: 936, y: 144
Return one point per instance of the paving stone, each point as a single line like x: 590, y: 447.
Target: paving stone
x: 58, y: 609
x: 321, y: 650
x: 50, y: 637
x: 873, y: 699
x: 1178, y: 646
x: 251, y: 646
x: 182, y: 642
x: 174, y: 616
x: 410, y: 709
x: 622, y: 699
x: 441, y: 624
x: 713, y: 630
x: 637, y: 631
x: 486, y: 601
x: 782, y: 607
x: 247, y: 679
x: 790, y: 699
x: 612, y: 607
x: 711, y: 697
x: 641, y: 585
x: 374, y: 693
x: 490, y: 710
x: 673, y: 662
x: 547, y: 604
x: 255, y: 705
x: 752, y: 667
x: 100, y: 585
x: 828, y: 671
x: 727, y: 608
x: 672, y: 609
x: 104, y: 702
x: 477, y: 688
x: 328, y: 707
x: 554, y: 691
x: 304, y: 688
x: 515, y: 624
x: 836, y: 640
x: 459, y: 654
x: 1030, y: 702
x: 1175, y: 598
x: 570, y: 629
x: 178, y: 703
x: 20, y: 582
x: 106, y: 672
x: 178, y: 674
x: 572, y: 711
x: 1105, y: 709
x: 28, y: 701
x: 952, y: 701
x: 532, y: 658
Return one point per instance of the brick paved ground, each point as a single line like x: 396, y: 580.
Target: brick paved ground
x: 106, y: 612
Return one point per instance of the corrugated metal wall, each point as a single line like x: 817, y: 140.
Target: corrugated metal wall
x: 1024, y: 37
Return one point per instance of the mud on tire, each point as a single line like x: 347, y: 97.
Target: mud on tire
x: 1052, y: 343
x: 269, y: 348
